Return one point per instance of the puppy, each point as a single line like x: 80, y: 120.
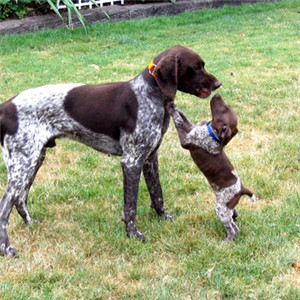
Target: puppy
x: 205, y: 141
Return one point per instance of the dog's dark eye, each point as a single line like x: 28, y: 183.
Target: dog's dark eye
x: 200, y: 66
x: 191, y: 71
x: 196, y: 69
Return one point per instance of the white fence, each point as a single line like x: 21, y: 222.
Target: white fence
x: 82, y: 3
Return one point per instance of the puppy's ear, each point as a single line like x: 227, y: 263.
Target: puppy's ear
x: 165, y: 74
x: 217, y: 104
x: 226, y: 134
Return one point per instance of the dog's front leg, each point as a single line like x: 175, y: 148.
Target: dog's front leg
x: 131, y: 174
x: 151, y: 175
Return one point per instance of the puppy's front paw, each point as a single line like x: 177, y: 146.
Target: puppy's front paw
x: 170, y: 107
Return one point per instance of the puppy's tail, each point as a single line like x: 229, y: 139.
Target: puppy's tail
x: 247, y: 192
x: 235, y: 200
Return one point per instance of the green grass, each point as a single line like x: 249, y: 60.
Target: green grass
x: 80, y: 250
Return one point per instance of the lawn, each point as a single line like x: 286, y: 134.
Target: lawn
x: 81, y: 251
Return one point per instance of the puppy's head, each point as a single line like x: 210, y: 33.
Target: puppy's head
x: 224, y: 120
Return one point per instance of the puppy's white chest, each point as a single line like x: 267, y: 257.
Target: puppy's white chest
x: 200, y: 137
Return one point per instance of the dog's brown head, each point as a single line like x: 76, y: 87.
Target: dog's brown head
x: 183, y: 69
x: 224, y: 120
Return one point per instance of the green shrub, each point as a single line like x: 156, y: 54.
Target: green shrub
x: 20, y: 8
x: 10, y: 8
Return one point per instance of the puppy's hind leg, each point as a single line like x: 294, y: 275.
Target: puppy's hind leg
x: 235, y: 214
x: 226, y: 217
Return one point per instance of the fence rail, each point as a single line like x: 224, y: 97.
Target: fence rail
x: 83, y: 3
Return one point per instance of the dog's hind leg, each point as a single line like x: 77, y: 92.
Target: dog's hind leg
x: 21, y: 204
x: 17, y: 188
x: 151, y: 175
x: 22, y: 165
x: 6, y: 206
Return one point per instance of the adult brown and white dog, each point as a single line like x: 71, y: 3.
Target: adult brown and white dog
x: 127, y: 119
x: 206, y: 141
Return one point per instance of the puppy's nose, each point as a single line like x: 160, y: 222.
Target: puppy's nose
x: 217, y: 84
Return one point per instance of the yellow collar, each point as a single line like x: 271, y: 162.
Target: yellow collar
x: 151, y: 67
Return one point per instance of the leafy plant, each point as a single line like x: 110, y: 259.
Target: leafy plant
x: 71, y: 8
x: 17, y: 8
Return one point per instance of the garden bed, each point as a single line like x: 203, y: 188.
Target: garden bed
x: 131, y: 10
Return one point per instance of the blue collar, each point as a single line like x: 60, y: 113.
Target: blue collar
x: 211, y: 133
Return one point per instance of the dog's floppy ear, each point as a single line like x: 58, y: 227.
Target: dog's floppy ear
x: 165, y: 74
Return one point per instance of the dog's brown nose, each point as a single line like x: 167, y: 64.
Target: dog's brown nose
x: 217, y: 84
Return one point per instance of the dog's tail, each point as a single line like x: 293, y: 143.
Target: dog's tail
x: 8, y: 119
x: 1, y: 127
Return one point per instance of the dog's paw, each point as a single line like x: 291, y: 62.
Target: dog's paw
x: 33, y: 221
x: 8, y: 251
x: 166, y: 216
x: 133, y: 232
x: 161, y: 212
x: 139, y: 236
